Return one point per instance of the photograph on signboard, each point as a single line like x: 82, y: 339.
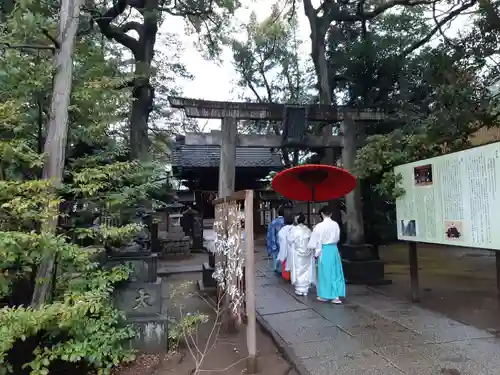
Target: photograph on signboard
x: 408, y: 228
x: 454, y: 199
x: 423, y: 175
x: 453, y: 230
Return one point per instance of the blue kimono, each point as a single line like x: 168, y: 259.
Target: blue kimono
x: 272, y: 241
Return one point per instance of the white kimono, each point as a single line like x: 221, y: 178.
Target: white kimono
x: 283, y: 254
x: 301, y: 259
x: 325, y: 232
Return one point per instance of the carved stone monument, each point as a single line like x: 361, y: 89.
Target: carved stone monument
x: 140, y: 298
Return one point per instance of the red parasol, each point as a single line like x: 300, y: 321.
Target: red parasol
x: 314, y: 182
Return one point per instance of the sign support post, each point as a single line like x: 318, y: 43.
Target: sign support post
x: 414, y: 284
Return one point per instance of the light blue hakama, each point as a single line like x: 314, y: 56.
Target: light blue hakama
x: 331, y: 282
x: 276, y: 264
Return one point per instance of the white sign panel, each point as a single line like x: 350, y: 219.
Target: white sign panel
x: 452, y: 199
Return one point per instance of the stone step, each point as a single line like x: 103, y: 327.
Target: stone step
x: 175, y: 270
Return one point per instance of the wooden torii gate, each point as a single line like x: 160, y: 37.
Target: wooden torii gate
x: 228, y: 139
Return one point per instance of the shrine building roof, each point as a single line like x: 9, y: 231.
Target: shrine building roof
x: 201, y: 156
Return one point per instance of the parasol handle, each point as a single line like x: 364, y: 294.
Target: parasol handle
x: 313, y: 198
x: 309, y: 213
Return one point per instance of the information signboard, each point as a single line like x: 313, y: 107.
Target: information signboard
x: 452, y: 199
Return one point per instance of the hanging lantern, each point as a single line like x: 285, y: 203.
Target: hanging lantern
x: 294, y: 126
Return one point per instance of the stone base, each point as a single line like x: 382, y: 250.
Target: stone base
x: 206, y: 290
x: 367, y: 272
x: 362, y: 265
x: 152, y: 334
x: 207, y: 275
x: 139, y: 299
x: 197, y: 250
x: 211, y: 259
x: 359, y: 252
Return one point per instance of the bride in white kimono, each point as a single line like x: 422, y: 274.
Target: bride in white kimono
x: 284, y: 252
x: 302, y: 260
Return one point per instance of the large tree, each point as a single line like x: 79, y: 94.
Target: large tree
x: 271, y: 69
x: 80, y: 324
x: 333, y: 19
x: 438, y: 95
x: 134, y: 24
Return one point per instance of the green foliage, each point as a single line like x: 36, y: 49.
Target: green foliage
x: 382, y: 153
x: 183, y: 329
x: 272, y: 69
x: 211, y: 25
x: 269, y: 63
x: 438, y: 95
x: 80, y: 325
x: 93, y: 329
x: 23, y: 202
x: 111, y: 235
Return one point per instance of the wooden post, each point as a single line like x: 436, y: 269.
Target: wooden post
x: 227, y: 172
x: 227, y: 166
x: 250, y: 285
x: 55, y: 143
x: 497, y: 261
x: 415, y: 293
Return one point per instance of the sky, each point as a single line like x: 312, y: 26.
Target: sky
x: 214, y: 81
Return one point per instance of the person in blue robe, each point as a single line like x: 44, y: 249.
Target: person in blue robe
x: 330, y: 276
x: 272, y: 239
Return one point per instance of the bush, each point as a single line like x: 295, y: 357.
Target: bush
x: 82, y: 328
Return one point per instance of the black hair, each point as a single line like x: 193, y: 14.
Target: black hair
x: 281, y: 211
x: 325, y: 210
x: 288, y: 219
x: 301, y: 218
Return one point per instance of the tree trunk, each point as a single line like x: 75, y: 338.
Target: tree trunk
x: 55, y: 143
x: 355, y: 232
x: 139, y: 116
x: 318, y: 54
x: 354, y: 206
x: 143, y: 92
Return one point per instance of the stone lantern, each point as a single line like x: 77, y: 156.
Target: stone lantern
x: 192, y: 224
x: 294, y: 126
x: 174, y: 241
x: 174, y: 211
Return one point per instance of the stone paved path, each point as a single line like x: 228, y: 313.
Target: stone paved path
x: 371, y: 334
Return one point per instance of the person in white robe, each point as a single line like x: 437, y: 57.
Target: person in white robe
x: 301, y: 261
x: 330, y: 276
x: 284, y: 248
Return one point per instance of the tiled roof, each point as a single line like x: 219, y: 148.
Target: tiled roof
x: 209, y: 156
